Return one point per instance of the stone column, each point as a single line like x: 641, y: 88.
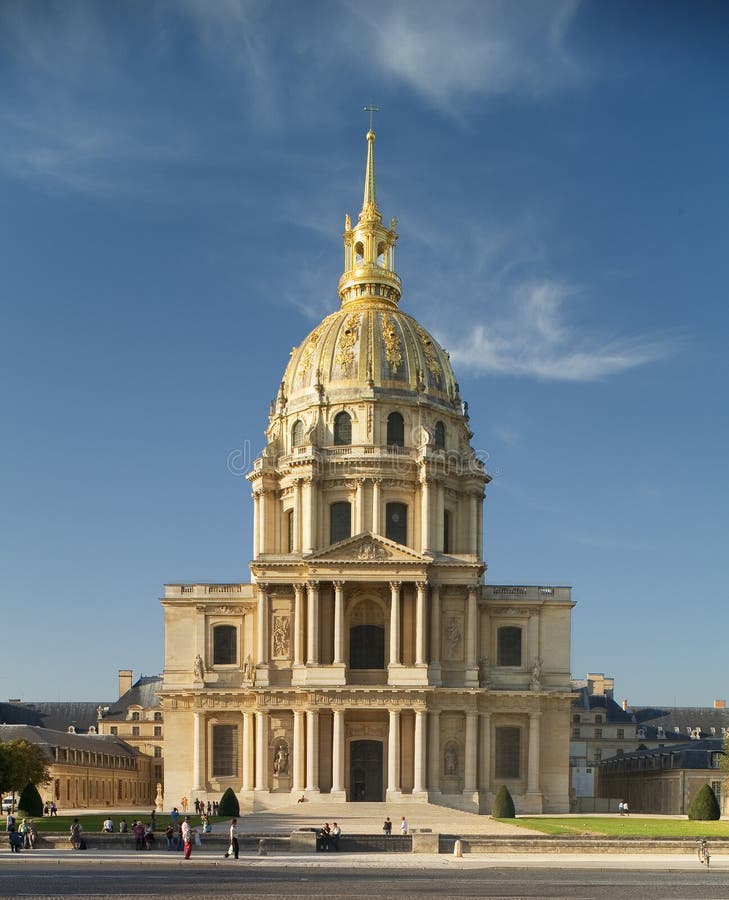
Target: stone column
x: 470, y: 768
x: 262, y: 521
x: 359, y: 507
x: 472, y: 636
x: 473, y: 522
x: 198, y: 752
x: 420, y: 624
x: 298, y: 625
x: 299, y: 752
x: 297, y: 517
x: 434, y: 750
x: 307, y: 516
x: 262, y: 624
x: 248, y: 752
x: 312, y: 751
x: 338, y: 623
x: 395, y: 623
x: 312, y: 635
x: 256, y: 522
x: 435, y: 632
x: 440, y: 510
x: 424, y: 516
x: 261, y: 750
x: 376, y: 503
x: 421, y: 718
x: 393, y: 753
x: 533, y: 786
x: 338, y: 752
x: 484, y: 756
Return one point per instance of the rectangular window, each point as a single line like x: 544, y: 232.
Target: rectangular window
x: 135, y: 730
x: 508, y: 646
x: 621, y: 733
x: 598, y: 755
x: 225, y: 645
x: 340, y: 521
x: 508, y: 750
x: 598, y: 732
x: 158, y: 752
x: 158, y: 731
x: 575, y: 732
x: 113, y: 730
x: 225, y: 751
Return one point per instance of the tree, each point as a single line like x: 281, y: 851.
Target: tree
x: 704, y: 807
x: 21, y: 764
x: 30, y: 801
x: 229, y: 805
x: 503, y: 807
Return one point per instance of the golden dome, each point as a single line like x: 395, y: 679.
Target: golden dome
x: 365, y: 347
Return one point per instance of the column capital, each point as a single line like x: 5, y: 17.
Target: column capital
x: 535, y: 714
x: 421, y: 585
x: 299, y: 587
x: 312, y: 585
x: 395, y: 586
x: 263, y: 586
x: 338, y: 585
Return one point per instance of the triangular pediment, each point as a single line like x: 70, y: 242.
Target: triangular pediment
x: 368, y: 548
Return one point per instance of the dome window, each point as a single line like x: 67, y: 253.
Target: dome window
x: 396, y: 528
x: 340, y: 521
x: 439, y: 436
x: 395, y: 430
x: 297, y: 434
x: 342, y: 429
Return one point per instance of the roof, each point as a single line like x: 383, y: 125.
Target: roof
x: 688, y: 720
x: 614, y: 712
x: 57, y: 716
x: 689, y: 755
x: 142, y: 693
x: 46, y: 738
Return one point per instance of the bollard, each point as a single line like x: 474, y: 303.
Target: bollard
x: 458, y: 849
x: 262, y: 847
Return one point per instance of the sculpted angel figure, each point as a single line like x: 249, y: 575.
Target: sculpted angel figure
x: 199, y: 668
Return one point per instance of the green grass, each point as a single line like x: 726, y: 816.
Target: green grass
x: 94, y: 823
x: 623, y: 827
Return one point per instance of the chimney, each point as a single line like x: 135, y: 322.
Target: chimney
x: 625, y: 704
x: 125, y: 681
x: 719, y: 704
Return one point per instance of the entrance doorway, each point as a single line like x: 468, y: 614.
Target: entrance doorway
x: 365, y: 771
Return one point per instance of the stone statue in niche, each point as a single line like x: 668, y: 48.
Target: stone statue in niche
x: 249, y: 672
x: 280, y: 636
x: 536, y: 674
x: 281, y: 759
x: 198, y: 668
x: 450, y: 760
x: 484, y: 677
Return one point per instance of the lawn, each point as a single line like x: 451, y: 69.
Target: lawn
x: 623, y: 827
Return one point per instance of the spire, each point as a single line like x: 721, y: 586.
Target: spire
x: 369, y: 248
x: 370, y: 210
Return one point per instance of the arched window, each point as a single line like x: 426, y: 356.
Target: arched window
x: 396, y: 525
x: 225, y: 751
x: 342, y: 429
x: 358, y: 253
x: 395, y: 430
x: 508, y: 752
x: 340, y: 521
x: 508, y: 651
x: 439, y: 436
x: 158, y: 717
x: 225, y: 645
x: 367, y: 647
x: 297, y: 434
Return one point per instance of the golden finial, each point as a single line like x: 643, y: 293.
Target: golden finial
x: 371, y: 110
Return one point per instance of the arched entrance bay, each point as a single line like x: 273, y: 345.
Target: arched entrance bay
x: 365, y: 771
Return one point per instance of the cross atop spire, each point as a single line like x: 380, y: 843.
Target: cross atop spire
x: 371, y: 110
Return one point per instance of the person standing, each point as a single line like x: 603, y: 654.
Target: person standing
x: 387, y: 826
x: 335, y: 835
x: 76, y: 835
x: 187, y: 836
x: 233, y: 846
x: 404, y: 826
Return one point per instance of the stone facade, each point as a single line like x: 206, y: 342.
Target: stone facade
x: 367, y: 660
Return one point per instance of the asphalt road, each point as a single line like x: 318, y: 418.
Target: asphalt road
x: 125, y: 882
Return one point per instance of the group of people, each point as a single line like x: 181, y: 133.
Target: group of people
x: 387, y: 826
x: 201, y: 808
x: 23, y: 836
x: 623, y: 808
x: 329, y: 836
x: 50, y: 808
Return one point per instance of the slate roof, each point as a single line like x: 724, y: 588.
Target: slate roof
x: 614, y: 712
x: 56, y: 716
x: 142, y: 693
x: 46, y: 738
x: 686, y: 718
x: 697, y: 754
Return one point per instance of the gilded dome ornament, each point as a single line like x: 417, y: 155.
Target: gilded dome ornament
x: 393, y: 351
x: 347, y: 340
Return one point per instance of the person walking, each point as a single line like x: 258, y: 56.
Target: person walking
x: 233, y: 847
x: 187, y: 836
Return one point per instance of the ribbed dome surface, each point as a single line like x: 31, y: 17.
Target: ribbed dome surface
x: 370, y: 347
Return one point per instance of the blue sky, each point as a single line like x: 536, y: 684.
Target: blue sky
x: 173, y: 183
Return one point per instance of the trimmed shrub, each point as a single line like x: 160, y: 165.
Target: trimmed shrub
x: 503, y: 807
x: 704, y: 807
x: 229, y: 805
x: 30, y: 801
